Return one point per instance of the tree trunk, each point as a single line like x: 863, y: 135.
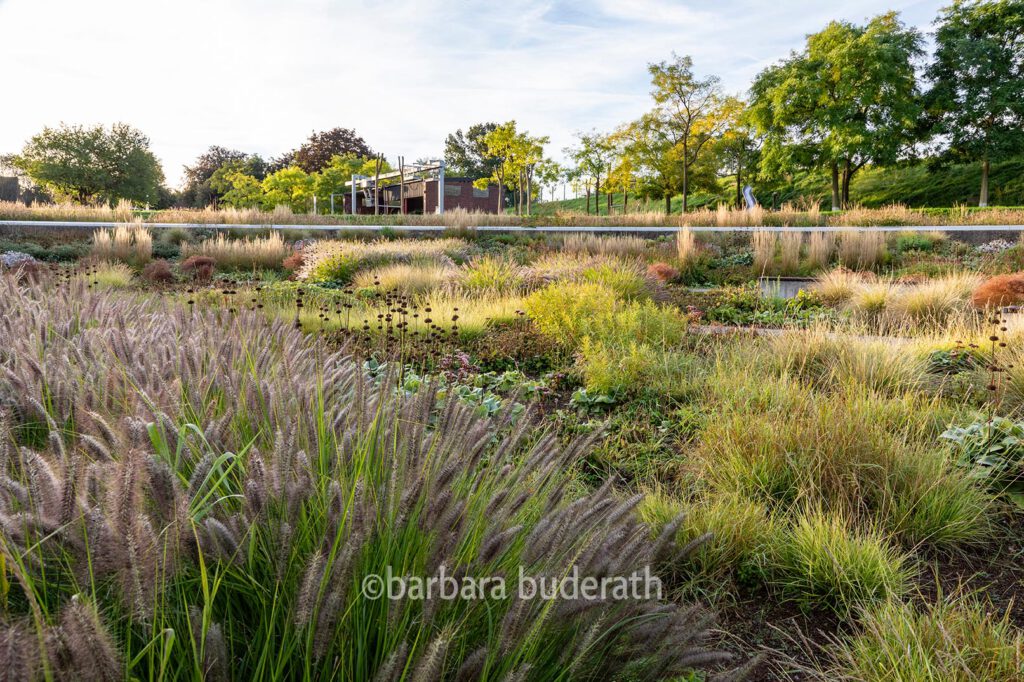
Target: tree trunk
x: 625, y: 201
x: 588, y: 200
x: 686, y: 183
x: 835, y: 186
x: 668, y: 202
x: 983, y: 197
x: 847, y: 176
x: 501, y: 196
x: 739, y: 185
x: 529, y: 191
x: 597, y: 195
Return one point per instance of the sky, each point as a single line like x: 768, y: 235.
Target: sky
x: 260, y: 76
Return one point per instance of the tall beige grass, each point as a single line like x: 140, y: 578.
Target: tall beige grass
x: 861, y: 249
x: 130, y: 243
x: 763, y: 243
x: 789, y: 252
x: 820, y: 246
x: 260, y: 252
x: 600, y: 245
x: 686, y: 245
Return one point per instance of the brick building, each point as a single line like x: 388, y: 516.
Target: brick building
x: 422, y: 189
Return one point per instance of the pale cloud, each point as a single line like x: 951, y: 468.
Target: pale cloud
x: 260, y: 76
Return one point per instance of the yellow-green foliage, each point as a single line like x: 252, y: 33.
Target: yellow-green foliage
x: 851, y: 449
x: 131, y: 243
x: 822, y: 559
x: 959, y: 640
x: 475, y: 311
x: 734, y: 530
x: 406, y: 278
x: 490, y: 273
x: 338, y: 261
x: 568, y: 311
x: 624, y: 345
x: 628, y: 279
x: 610, y: 367
x: 259, y: 252
x: 109, y: 275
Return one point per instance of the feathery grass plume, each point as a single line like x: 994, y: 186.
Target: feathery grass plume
x: 820, y: 247
x: 258, y: 252
x: 763, y: 243
x: 686, y: 245
x: 406, y: 278
x: 837, y: 285
x: 789, y: 253
x: 392, y: 454
x: 92, y: 651
x: 622, y: 246
x: 329, y: 260
x: 861, y: 249
x: 490, y: 273
x: 129, y: 243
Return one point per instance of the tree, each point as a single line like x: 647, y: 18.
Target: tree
x: 292, y: 187
x: 321, y: 147
x: 466, y: 153
x: 515, y: 154
x: 198, y: 191
x: 593, y: 156
x: 739, y: 153
x: 89, y: 164
x: 236, y: 186
x: 977, y: 96
x: 848, y: 99
x: 691, y: 112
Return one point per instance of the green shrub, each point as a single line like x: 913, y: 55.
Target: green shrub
x: 823, y: 561
x: 954, y: 641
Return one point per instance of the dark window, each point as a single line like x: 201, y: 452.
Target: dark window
x: 482, y: 193
x: 453, y: 190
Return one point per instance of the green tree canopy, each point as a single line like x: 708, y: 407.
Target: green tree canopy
x: 466, y: 153
x: 849, y: 98
x: 515, y: 155
x: 977, y: 96
x: 690, y: 113
x: 292, y: 187
x: 93, y: 164
x: 318, y: 151
x: 199, y: 190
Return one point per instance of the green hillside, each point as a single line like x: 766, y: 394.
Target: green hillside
x: 917, y: 185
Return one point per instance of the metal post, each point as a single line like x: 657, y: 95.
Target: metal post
x: 332, y: 203
x: 314, y: 205
x: 440, y: 187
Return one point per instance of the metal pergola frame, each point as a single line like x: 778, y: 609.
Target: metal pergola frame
x: 414, y: 172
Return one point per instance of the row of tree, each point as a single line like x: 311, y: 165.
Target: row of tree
x: 851, y: 97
